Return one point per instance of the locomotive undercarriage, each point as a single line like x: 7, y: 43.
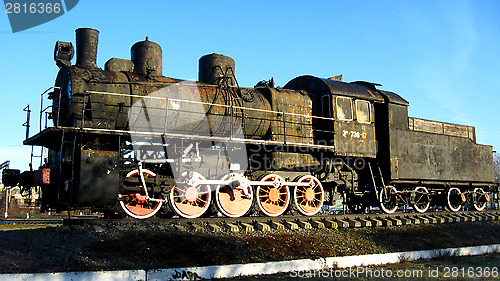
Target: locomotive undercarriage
x: 420, y: 198
x: 110, y: 173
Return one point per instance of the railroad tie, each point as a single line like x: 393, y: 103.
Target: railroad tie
x: 331, y: 224
x: 196, y: 227
x: 162, y: 227
x: 342, y: 223
x: 364, y: 222
x: 303, y: 224
x: 404, y: 220
x: 231, y: 227
x: 462, y: 217
x: 412, y: 220
x: 487, y: 217
x: 261, y: 226
x: 396, y: 221
x: 484, y: 217
x: 247, y: 227
x: 277, y: 225
x: 213, y: 227
x: 375, y: 221
x: 176, y: 226
x: 496, y: 216
x: 471, y: 217
x: 291, y: 225
x: 386, y: 222
x: 354, y: 223
x: 492, y: 216
x: 440, y: 219
x: 432, y: 219
x: 451, y: 218
x: 317, y: 224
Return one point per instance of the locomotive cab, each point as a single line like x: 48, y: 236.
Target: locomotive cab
x: 346, y: 112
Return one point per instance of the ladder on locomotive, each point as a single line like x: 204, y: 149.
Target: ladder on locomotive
x: 377, y: 178
x: 68, y: 141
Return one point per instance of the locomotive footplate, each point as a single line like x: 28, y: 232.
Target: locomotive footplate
x: 47, y: 137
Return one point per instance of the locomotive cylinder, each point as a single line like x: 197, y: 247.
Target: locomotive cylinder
x: 86, y: 47
x: 147, y: 58
x: 214, y: 67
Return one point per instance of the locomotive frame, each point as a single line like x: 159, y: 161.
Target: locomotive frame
x: 128, y: 139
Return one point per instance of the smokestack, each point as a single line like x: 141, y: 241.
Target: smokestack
x: 86, y: 47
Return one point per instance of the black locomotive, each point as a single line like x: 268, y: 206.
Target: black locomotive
x: 128, y: 138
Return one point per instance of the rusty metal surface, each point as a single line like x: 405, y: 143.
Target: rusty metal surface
x: 292, y: 122
x: 214, y: 68
x: 393, y: 98
x: 355, y: 139
x: 147, y: 58
x: 86, y: 47
x: 313, y: 84
x: 115, y: 64
x: 427, y: 155
x: 63, y: 53
x: 99, y: 180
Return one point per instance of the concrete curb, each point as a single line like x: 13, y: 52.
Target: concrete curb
x: 127, y: 275
x: 234, y: 270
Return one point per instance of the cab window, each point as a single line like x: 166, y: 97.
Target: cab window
x: 344, y: 108
x: 363, y: 111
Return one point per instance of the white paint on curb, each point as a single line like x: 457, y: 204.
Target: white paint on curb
x: 126, y: 275
x: 228, y: 271
x: 234, y: 270
x: 378, y: 259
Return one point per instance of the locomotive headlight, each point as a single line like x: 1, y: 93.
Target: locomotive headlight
x: 63, y: 53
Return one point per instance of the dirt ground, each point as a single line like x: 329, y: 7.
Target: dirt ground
x: 127, y: 246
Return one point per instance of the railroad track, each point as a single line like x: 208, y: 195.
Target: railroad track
x: 33, y: 221
x: 250, y: 224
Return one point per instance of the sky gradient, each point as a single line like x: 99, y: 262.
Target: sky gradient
x: 442, y: 56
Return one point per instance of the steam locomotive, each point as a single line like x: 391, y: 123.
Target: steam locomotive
x: 129, y: 139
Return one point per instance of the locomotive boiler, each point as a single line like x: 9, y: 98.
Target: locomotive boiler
x: 128, y: 139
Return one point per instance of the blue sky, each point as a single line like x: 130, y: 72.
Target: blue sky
x: 442, y: 56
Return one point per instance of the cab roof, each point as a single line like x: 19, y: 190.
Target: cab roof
x: 359, y: 89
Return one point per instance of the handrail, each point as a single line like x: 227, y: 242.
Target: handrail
x: 207, y: 103
x: 234, y: 108
x: 42, y: 109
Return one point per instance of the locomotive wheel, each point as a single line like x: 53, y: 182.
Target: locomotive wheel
x: 233, y: 202
x: 422, y: 199
x: 479, y: 199
x: 190, y: 200
x: 388, y: 200
x: 454, y: 199
x: 137, y: 205
x: 355, y: 204
x: 309, y: 199
x: 273, y: 199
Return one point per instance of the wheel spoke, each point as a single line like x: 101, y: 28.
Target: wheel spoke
x: 309, y: 197
x: 273, y: 199
x: 137, y: 205
x: 190, y: 201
